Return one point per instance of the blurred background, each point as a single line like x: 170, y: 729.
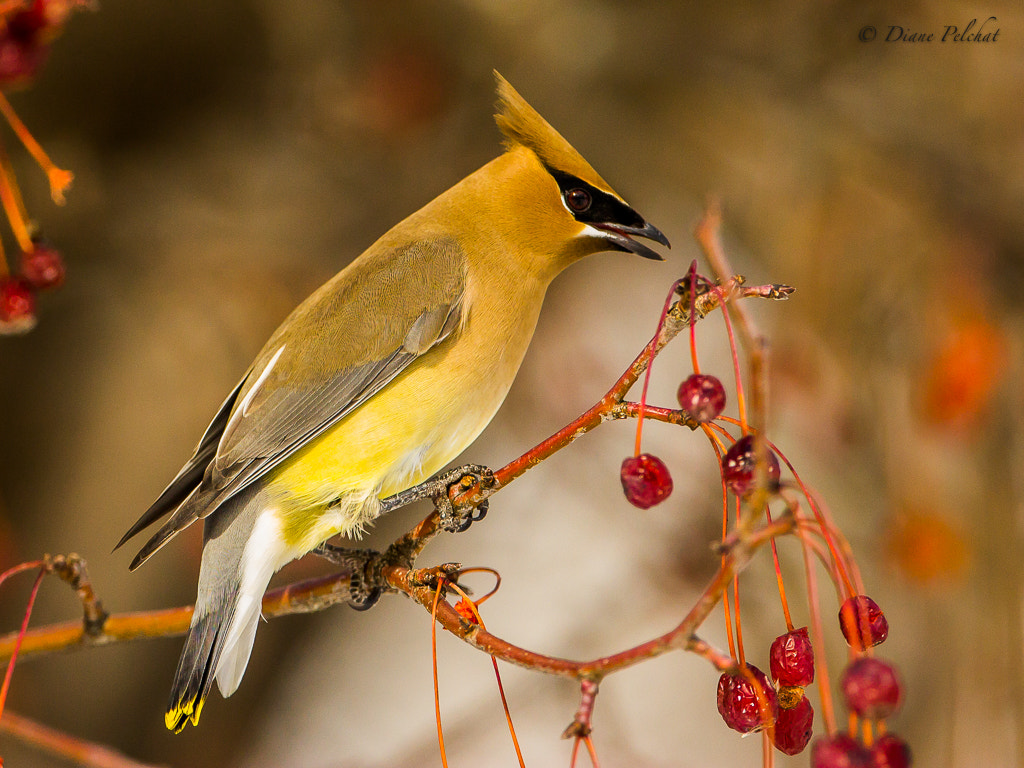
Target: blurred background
x: 231, y: 156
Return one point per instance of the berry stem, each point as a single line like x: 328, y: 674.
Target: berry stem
x: 10, y: 197
x: 24, y: 626
x: 474, y: 606
x: 717, y: 445
x: 741, y: 400
x: 768, y: 754
x: 59, y: 179
x: 842, y: 563
x: 817, y: 627
x: 650, y: 364
x: 433, y: 658
x: 778, y: 576
x: 693, y: 316
x: 736, y: 613
x: 869, y: 734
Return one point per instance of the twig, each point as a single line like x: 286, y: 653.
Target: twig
x: 55, y: 742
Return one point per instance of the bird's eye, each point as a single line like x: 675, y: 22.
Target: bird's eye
x: 578, y: 200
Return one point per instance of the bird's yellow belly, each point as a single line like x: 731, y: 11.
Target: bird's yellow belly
x: 398, y: 438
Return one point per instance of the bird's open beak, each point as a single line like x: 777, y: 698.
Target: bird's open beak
x: 622, y: 237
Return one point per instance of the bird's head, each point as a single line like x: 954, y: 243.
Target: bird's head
x: 563, y: 204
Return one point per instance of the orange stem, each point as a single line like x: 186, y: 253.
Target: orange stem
x: 693, y: 316
x: 778, y: 577
x: 59, y: 179
x: 437, y: 693
x: 650, y: 364
x: 10, y: 197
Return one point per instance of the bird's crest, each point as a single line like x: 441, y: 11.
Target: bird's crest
x: 521, y: 125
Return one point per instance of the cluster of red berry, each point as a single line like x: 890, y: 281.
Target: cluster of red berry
x: 41, y: 268
x: 27, y: 30
x: 748, y: 700
x: 871, y: 690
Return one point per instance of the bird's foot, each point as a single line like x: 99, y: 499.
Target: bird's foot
x: 364, y: 591
x: 441, y: 488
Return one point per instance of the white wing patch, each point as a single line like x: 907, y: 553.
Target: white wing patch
x: 247, y: 400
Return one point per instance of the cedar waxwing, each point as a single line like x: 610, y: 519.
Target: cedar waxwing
x: 376, y: 381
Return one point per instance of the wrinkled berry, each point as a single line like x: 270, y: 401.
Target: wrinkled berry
x: 862, y: 622
x: 871, y: 688
x: 738, y: 466
x: 839, y: 751
x: 645, y: 480
x: 890, y: 751
x: 738, y: 701
x: 791, y: 659
x: 702, y: 397
x: 794, y: 727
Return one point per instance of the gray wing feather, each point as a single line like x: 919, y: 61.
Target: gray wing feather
x: 268, y: 417
x: 300, y: 416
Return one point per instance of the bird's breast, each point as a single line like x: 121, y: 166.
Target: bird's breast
x: 418, y: 423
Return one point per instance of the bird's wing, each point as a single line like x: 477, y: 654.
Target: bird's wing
x: 346, y: 342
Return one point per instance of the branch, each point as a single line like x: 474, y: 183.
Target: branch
x: 97, y: 628
x: 421, y: 585
x: 68, y: 747
x: 301, y: 597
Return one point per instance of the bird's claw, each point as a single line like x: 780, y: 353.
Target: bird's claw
x: 363, y: 593
x: 457, y: 518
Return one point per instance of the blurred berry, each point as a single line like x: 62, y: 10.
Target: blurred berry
x: 43, y: 267
x: 927, y: 545
x: 738, y: 701
x: 645, y: 480
x: 871, y: 688
x: 17, y: 305
x: 839, y: 751
x: 702, y: 397
x: 863, y: 623
x: 964, y: 374
x: 791, y: 659
x: 890, y: 752
x: 20, y: 59
x: 794, y: 727
x: 738, y: 466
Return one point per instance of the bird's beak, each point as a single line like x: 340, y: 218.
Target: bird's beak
x: 620, y: 236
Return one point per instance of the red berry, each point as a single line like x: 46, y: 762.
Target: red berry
x: 738, y: 466
x: 791, y: 659
x: 890, y: 752
x: 645, y: 480
x: 862, y: 622
x: 702, y: 397
x: 17, y: 305
x: 839, y: 751
x: 794, y: 727
x: 22, y: 50
x: 42, y: 267
x: 871, y: 688
x: 738, y: 702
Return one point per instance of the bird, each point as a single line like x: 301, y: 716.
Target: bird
x: 378, y: 380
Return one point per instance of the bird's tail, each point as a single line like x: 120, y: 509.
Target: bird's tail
x: 242, y: 550
x: 197, y: 667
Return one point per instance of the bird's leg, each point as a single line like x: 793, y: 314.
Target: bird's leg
x: 439, y: 488
x: 364, y: 589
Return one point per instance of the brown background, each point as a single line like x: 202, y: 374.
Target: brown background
x: 231, y: 156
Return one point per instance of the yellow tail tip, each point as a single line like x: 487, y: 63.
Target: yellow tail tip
x: 178, y: 716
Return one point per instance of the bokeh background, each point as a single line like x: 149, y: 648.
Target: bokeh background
x: 231, y: 156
